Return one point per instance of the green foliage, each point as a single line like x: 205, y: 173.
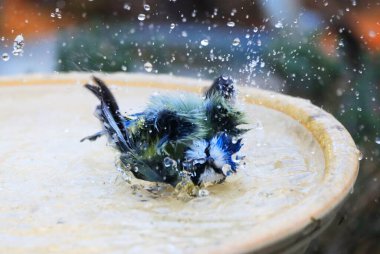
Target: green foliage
x: 306, y: 70
x: 83, y: 50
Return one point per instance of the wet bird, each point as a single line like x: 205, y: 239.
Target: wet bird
x: 175, y: 137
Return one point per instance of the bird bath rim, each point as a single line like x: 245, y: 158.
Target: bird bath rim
x: 340, y: 152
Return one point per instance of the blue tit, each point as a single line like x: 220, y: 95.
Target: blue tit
x: 175, y: 136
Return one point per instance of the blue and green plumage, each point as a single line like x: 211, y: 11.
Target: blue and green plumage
x: 175, y: 135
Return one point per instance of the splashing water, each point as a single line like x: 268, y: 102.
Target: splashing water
x: 236, y: 42
x: 279, y: 25
x: 230, y: 24
x: 56, y: 14
x: 361, y: 156
x: 148, y: 67
x: 204, y: 42
x: 127, y: 7
x: 18, y: 45
x: 169, y: 162
x: 147, y: 7
x: 372, y: 34
x: 203, y: 193
x: 141, y: 17
x: 5, y: 57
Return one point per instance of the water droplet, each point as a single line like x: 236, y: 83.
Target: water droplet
x: 169, y: 162
x: 194, y: 13
x: 5, y: 57
x: 255, y: 29
x: 233, y: 12
x: 339, y: 92
x: 226, y: 169
x: 230, y: 23
x: 18, y: 45
x: 2, y: 38
x: 56, y: 13
x: 124, y: 68
x: 127, y: 7
x: 148, y: 66
x: 372, y: 34
x: 141, y: 17
x: 172, y: 26
x: 184, y: 34
x: 204, y: 42
x: 147, y: 7
x: 235, y: 158
x: 236, y: 42
x: 360, y: 157
x: 278, y: 25
x: 326, y: 3
x: 377, y: 140
x: 203, y: 193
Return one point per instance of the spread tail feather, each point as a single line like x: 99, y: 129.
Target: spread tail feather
x: 108, y: 113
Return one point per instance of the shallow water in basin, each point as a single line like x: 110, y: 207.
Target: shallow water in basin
x: 58, y: 194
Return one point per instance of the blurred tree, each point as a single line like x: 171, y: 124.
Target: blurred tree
x: 306, y: 70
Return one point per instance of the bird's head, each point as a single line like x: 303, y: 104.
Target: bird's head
x: 210, y: 161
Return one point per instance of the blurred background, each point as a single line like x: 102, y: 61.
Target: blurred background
x: 325, y: 51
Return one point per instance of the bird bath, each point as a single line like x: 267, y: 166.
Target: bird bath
x: 60, y: 195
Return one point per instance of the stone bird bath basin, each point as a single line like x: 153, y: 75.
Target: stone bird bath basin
x: 61, y: 196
